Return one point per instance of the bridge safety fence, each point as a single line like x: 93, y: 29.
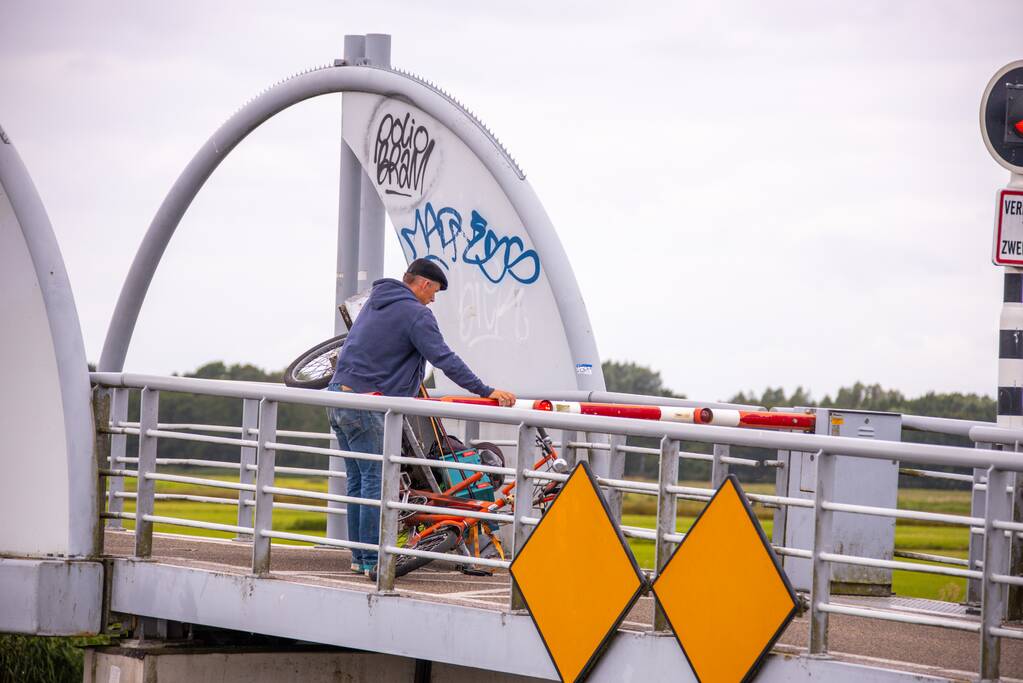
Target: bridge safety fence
x: 995, y: 464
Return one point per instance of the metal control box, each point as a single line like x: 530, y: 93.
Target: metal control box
x: 861, y: 481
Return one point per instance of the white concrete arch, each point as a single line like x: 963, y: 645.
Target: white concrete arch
x: 573, y: 320
x: 48, y: 497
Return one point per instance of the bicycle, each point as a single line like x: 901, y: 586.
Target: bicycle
x: 445, y: 531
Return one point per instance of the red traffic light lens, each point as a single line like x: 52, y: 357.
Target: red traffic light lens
x: 1019, y: 127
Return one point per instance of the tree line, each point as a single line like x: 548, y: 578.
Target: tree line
x: 630, y: 377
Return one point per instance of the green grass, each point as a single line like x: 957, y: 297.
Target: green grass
x: 933, y: 586
x: 294, y: 521
x: 35, y: 659
x: 638, y: 511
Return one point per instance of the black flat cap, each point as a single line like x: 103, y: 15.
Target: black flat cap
x: 430, y: 270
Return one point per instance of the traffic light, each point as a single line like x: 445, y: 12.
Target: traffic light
x: 1013, y: 135
x: 1001, y: 116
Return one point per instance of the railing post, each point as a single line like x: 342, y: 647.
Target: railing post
x: 250, y: 421
x: 101, y: 410
x: 118, y: 450
x: 996, y: 561
x: 781, y: 489
x: 523, y: 505
x: 1015, y: 607
x: 149, y: 414
x: 976, y: 551
x: 265, y: 457
x: 667, y: 514
x: 616, y: 470
x: 471, y: 433
x: 569, y: 455
x: 719, y: 469
x: 599, y: 459
x: 390, y: 492
x: 337, y: 525
x: 820, y: 585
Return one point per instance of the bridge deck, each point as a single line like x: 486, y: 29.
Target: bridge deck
x: 907, y: 647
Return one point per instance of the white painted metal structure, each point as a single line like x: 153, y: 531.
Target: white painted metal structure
x: 46, y: 455
x: 504, y: 639
x: 515, y: 312
x: 45, y: 414
x: 499, y: 313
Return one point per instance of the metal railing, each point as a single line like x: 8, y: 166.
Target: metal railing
x: 258, y: 441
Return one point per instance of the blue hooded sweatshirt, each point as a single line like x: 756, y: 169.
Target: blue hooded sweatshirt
x: 391, y: 340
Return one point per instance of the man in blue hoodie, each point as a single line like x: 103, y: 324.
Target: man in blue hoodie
x: 386, y: 351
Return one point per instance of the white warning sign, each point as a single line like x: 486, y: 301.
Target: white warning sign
x: 1008, y: 248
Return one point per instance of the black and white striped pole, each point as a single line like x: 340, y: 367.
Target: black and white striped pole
x: 1001, y: 126
x: 1010, y: 351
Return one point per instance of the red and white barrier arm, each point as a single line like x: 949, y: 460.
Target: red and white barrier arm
x: 475, y: 401
x: 762, y: 419
x: 636, y: 412
x: 716, y: 416
x: 662, y: 413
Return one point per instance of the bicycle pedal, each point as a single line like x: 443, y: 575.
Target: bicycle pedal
x: 472, y: 571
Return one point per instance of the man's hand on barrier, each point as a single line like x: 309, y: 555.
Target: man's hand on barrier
x: 504, y: 398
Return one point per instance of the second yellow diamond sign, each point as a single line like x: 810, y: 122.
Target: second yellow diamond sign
x: 724, y: 593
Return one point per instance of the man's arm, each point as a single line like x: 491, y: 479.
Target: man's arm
x: 427, y: 339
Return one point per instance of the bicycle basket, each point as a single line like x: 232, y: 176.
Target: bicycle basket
x: 481, y: 489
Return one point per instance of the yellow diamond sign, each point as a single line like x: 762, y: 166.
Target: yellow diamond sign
x: 724, y: 592
x: 577, y: 576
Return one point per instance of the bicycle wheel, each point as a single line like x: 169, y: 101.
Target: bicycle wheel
x: 492, y: 456
x: 440, y: 541
x: 403, y: 515
x: 314, y: 368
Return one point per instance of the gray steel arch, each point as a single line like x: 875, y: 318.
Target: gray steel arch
x: 68, y: 347
x: 377, y: 81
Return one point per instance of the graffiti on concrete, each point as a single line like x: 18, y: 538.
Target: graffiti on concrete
x: 490, y: 312
x: 439, y: 236
x: 401, y: 154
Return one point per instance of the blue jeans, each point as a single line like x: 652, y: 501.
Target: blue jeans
x: 361, y: 431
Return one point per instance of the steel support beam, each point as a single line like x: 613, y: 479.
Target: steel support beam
x: 719, y: 468
x: 667, y: 517
x: 390, y: 492
x: 820, y: 588
x: 118, y: 445
x: 996, y: 561
x: 265, y: 458
x: 247, y: 458
x: 149, y: 417
x: 377, y: 53
x: 523, y: 492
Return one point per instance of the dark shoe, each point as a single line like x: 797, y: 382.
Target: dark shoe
x: 474, y: 571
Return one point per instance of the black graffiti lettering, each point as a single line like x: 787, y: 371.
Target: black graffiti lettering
x: 402, y: 153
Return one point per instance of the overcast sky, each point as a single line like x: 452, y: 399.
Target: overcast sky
x: 750, y: 193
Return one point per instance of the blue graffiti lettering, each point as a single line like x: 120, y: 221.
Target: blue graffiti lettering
x: 438, y: 231
x: 499, y: 256
x: 435, y: 235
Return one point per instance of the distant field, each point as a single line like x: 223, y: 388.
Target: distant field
x: 638, y: 511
